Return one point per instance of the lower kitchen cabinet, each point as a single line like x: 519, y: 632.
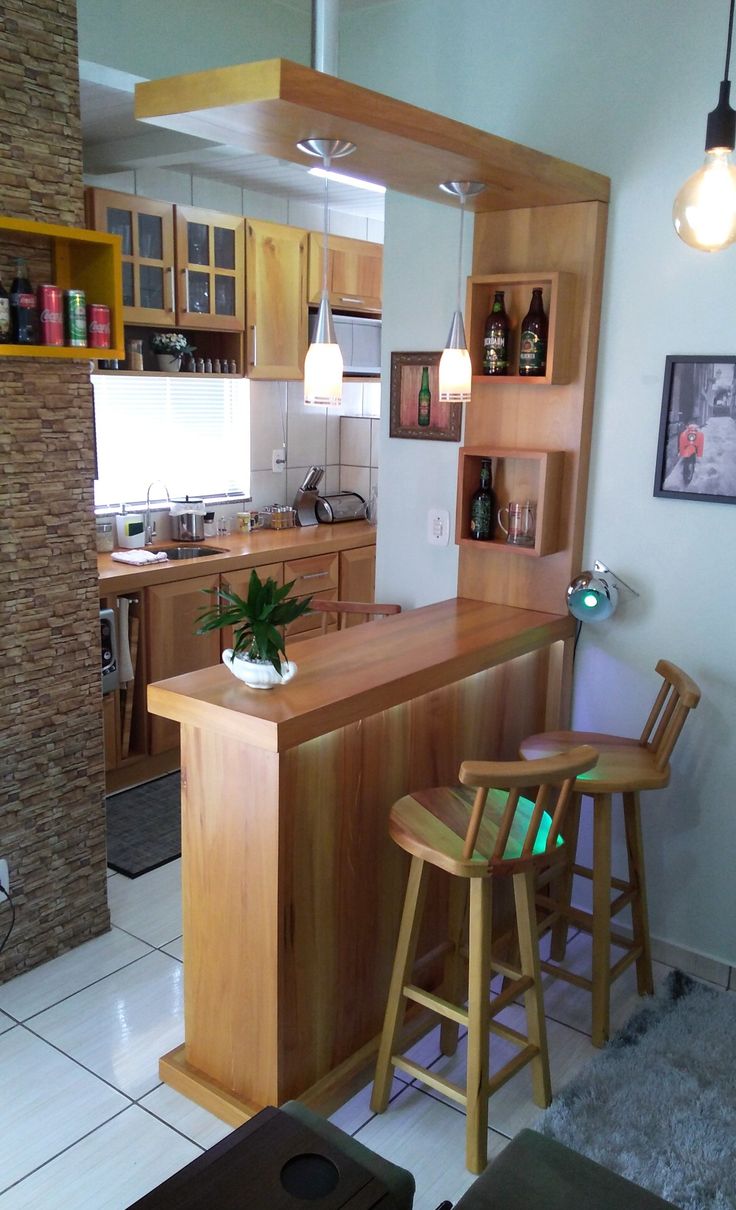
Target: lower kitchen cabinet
x: 357, y: 578
x: 173, y: 645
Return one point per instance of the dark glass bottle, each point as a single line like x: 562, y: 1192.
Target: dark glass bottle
x: 23, y: 309
x: 5, y: 328
x: 424, y: 402
x: 533, y: 339
x: 496, y: 339
x: 482, y: 506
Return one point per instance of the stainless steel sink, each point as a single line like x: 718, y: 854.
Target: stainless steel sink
x: 186, y: 552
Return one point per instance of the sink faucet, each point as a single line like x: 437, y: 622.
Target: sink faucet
x: 149, y: 527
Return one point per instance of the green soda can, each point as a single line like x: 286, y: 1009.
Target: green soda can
x: 75, y: 308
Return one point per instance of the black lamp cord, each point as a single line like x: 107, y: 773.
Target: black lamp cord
x: 4, y: 941
x: 728, y: 41
x: 577, y: 636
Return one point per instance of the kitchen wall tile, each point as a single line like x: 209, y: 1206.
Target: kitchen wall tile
x: 267, y: 422
x: 306, y: 433
x: 331, y: 481
x: 123, y: 182
x: 371, y: 399
x: 164, y: 184
x: 333, y: 437
x: 375, y: 230
x: 294, y: 479
x: 355, y: 441
x: 352, y: 399
x: 342, y: 223
x: 217, y: 195
x: 356, y: 479
x: 309, y: 215
x: 264, y: 205
x: 375, y: 441
x: 267, y: 488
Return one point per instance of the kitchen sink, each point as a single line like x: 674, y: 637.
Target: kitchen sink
x: 186, y: 552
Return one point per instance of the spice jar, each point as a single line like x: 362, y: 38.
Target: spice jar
x: 103, y: 536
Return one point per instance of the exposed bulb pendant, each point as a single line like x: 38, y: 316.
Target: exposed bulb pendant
x: 455, y: 369
x: 704, y: 211
x: 323, y: 364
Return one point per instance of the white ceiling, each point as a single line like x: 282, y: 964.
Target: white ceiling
x: 114, y: 141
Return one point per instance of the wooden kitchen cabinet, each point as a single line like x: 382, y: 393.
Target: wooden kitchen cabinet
x: 275, y: 300
x: 317, y: 576
x: 210, y: 269
x: 146, y: 229
x: 354, y: 272
x: 357, y: 578
x: 172, y: 644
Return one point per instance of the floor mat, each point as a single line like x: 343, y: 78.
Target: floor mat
x: 144, y: 826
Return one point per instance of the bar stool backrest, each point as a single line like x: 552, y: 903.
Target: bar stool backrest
x: 347, y: 609
x: 554, y: 779
x: 677, y: 696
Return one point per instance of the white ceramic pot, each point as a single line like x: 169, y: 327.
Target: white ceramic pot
x: 168, y: 363
x: 258, y: 674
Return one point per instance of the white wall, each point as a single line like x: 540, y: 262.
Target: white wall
x: 623, y: 89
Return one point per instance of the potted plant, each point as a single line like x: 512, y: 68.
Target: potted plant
x: 169, y: 348
x: 258, y: 641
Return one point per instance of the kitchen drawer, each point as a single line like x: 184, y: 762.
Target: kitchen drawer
x: 313, y: 577
x: 310, y: 624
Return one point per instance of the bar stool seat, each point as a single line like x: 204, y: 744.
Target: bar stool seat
x: 477, y: 831
x: 625, y: 766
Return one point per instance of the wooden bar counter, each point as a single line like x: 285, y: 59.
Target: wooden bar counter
x: 292, y: 890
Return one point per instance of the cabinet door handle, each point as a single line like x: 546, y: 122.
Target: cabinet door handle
x: 172, y: 289
x: 186, y: 289
x: 346, y: 298
x: 254, y: 358
x: 315, y: 575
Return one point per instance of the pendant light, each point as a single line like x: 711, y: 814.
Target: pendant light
x: 455, y: 370
x: 323, y: 363
x: 704, y: 211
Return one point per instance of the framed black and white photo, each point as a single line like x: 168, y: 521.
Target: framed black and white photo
x: 696, y: 453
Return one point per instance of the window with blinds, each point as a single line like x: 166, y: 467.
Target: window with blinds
x: 194, y: 434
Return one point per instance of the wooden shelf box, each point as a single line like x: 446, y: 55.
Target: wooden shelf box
x: 557, y: 295
x: 534, y: 475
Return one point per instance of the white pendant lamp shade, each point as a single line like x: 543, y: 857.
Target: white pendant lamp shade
x: 323, y: 364
x: 455, y: 369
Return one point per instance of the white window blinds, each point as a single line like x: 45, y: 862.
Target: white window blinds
x: 194, y: 434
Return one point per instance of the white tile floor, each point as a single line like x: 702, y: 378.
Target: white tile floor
x: 86, y: 1123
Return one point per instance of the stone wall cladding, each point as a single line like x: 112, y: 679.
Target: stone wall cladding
x: 52, y: 829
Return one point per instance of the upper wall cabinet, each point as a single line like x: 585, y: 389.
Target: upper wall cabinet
x: 354, y: 272
x: 146, y: 229
x: 210, y: 255
x: 276, y: 300
x: 180, y: 265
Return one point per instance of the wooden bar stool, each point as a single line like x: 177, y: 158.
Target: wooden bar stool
x: 477, y: 831
x: 626, y: 767
x: 345, y: 610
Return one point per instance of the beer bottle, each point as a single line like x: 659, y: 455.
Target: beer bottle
x: 22, y: 306
x: 5, y: 332
x: 424, y: 402
x: 533, y: 340
x: 482, y: 507
x: 496, y: 339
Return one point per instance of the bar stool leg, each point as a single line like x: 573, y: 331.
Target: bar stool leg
x: 455, y: 981
x: 536, y: 1027
x: 601, y: 918
x: 639, y: 916
x: 406, y: 947
x: 479, y: 979
x: 563, y: 890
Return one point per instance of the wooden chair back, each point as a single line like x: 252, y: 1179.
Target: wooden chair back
x: 676, y: 698
x: 344, y: 610
x: 554, y: 780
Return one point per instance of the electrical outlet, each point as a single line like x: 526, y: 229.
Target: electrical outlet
x: 278, y: 460
x: 4, y: 876
x: 438, y: 527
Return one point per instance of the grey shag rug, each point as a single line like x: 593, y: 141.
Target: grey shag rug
x: 658, y: 1104
x: 144, y: 826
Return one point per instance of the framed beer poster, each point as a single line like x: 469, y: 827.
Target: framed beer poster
x: 415, y: 407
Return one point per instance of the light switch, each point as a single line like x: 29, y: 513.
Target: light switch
x: 438, y: 527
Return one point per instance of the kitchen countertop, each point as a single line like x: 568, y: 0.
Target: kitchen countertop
x: 237, y: 551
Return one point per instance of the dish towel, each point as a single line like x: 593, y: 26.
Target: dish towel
x: 125, y: 663
x: 139, y: 557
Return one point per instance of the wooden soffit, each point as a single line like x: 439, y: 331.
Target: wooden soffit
x: 269, y: 106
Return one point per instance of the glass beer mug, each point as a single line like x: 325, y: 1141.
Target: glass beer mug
x: 519, y: 529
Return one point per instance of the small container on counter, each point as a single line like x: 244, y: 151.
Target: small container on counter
x: 131, y: 530
x: 244, y: 521
x: 279, y: 516
x: 104, y: 537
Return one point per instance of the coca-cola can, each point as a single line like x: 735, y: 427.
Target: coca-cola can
x: 51, y: 315
x: 98, y: 326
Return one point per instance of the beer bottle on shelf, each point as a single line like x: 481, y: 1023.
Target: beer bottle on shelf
x: 424, y: 402
x: 22, y: 306
x: 482, y: 506
x: 5, y: 329
x: 496, y: 339
x: 533, y: 339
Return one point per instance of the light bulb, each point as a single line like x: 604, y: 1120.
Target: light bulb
x: 704, y: 211
x: 323, y: 375
x: 455, y: 376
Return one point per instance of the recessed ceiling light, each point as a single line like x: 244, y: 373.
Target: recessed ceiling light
x: 343, y: 179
